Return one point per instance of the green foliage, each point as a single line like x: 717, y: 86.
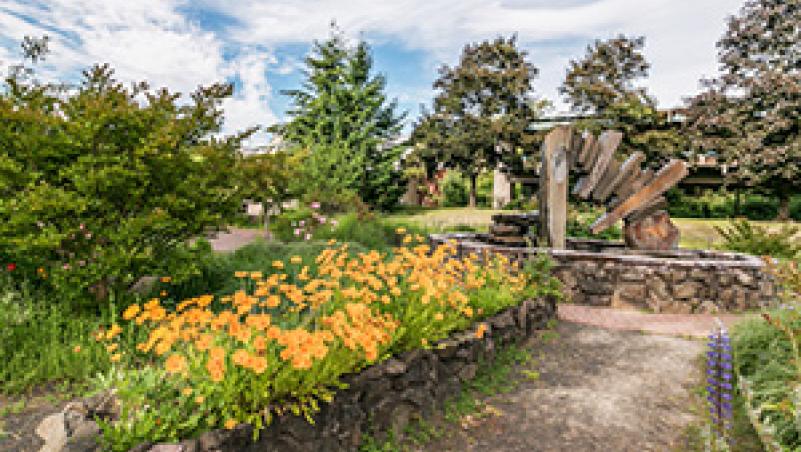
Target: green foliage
x: 603, y: 83
x: 454, y: 190
x: 483, y: 105
x: 266, y: 178
x: 744, y: 237
x: 343, y: 127
x: 579, y: 220
x: 38, y: 340
x: 101, y: 183
x: 748, y: 113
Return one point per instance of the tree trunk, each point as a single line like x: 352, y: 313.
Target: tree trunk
x: 784, y: 207
x: 472, y: 202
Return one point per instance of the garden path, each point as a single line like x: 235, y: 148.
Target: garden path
x: 589, y: 389
x: 236, y: 238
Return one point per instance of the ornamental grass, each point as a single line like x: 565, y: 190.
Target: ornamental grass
x: 281, y: 343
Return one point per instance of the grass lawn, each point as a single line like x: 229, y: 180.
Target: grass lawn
x: 695, y: 232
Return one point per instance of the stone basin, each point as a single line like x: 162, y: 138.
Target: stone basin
x: 606, y: 273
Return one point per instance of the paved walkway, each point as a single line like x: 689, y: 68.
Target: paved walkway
x: 696, y: 325
x: 236, y: 238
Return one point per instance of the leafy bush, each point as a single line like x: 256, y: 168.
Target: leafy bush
x: 454, y: 190
x: 767, y: 354
x: 579, y: 220
x: 744, y: 237
x: 301, y: 223
x: 101, y: 184
x: 282, y: 341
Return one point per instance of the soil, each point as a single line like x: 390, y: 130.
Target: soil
x: 597, y: 390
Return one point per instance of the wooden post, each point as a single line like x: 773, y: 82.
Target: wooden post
x: 553, y: 187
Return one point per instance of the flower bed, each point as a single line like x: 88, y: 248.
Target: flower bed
x: 273, y: 352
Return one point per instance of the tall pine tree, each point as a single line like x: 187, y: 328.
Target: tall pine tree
x: 343, y: 120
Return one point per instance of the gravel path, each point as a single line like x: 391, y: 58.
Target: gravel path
x: 236, y: 238
x: 598, y: 390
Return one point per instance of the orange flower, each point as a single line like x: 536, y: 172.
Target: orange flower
x: 76, y: 349
x: 255, y: 275
x: 199, y: 399
x: 240, y: 357
x: 230, y: 424
x: 115, y: 357
x: 273, y: 301
x: 438, y: 316
x: 258, y: 364
x: 131, y: 312
x: 186, y: 392
x: 259, y: 343
x: 296, y: 259
x: 166, y: 279
x: 175, y: 363
x: 482, y: 328
x: 111, y: 347
x: 240, y: 274
x: 278, y: 264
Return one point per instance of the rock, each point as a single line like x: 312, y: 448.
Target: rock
x: 468, y: 372
x: 83, y: 436
x: 394, y: 367
x: 687, y: 290
x: 654, y: 232
x: 53, y: 431
x: 708, y: 307
x: 144, y: 285
x: 167, y: 448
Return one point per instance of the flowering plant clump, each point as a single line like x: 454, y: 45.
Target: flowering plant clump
x: 719, y: 385
x: 281, y: 342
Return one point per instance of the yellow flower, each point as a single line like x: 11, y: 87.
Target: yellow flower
x: 131, y: 312
x: 400, y: 231
x: 230, y: 424
x: 296, y: 259
x: 111, y: 347
x: 163, y: 293
x: 482, y: 328
x: 438, y: 316
x: 199, y: 399
x: 424, y: 342
x: 186, y: 392
x: 240, y: 274
x: 332, y: 241
x: 76, y: 349
x: 166, y: 279
x: 115, y: 357
x: 278, y: 264
x: 255, y: 275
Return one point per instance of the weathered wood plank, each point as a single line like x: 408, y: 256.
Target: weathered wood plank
x: 507, y: 230
x: 587, y: 153
x: 576, y: 144
x: 666, y: 178
x: 611, y: 173
x: 553, y: 187
x: 607, y: 143
x: 635, y: 185
x: 659, y: 203
x: 626, y: 171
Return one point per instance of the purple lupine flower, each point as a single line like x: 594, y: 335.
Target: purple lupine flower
x: 719, y: 375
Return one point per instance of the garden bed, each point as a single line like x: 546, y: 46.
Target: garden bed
x: 381, y: 398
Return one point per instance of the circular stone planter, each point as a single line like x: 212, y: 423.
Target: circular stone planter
x: 605, y: 273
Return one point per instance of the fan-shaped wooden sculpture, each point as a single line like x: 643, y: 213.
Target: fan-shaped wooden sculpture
x: 629, y: 192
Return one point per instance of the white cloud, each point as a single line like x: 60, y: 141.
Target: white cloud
x: 155, y: 40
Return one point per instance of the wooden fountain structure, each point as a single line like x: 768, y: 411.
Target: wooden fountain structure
x: 628, y: 192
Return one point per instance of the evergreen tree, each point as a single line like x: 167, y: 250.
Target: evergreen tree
x: 482, y: 109
x: 342, y: 119
x: 750, y: 112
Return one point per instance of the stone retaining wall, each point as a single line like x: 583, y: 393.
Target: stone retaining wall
x: 602, y: 273
x: 382, y: 398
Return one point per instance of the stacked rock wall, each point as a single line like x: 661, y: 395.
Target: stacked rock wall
x: 382, y: 398
x: 601, y: 273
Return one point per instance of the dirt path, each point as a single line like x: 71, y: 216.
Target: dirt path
x: 598, y: 390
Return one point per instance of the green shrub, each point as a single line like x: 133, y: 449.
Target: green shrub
x: 744, y: 237
x: 455, y: 192
x: 103, y: 183
x: 579, y: 220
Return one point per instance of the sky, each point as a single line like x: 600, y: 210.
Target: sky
x: 259, y: 45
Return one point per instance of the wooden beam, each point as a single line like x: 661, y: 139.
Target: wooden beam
x: 611, y: 173
x: 626, y: 171
x: 607, y: 143
x: 587, y: 152
x: 666, y: 178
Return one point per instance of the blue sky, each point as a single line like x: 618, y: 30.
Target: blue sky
x: 260, y: 44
